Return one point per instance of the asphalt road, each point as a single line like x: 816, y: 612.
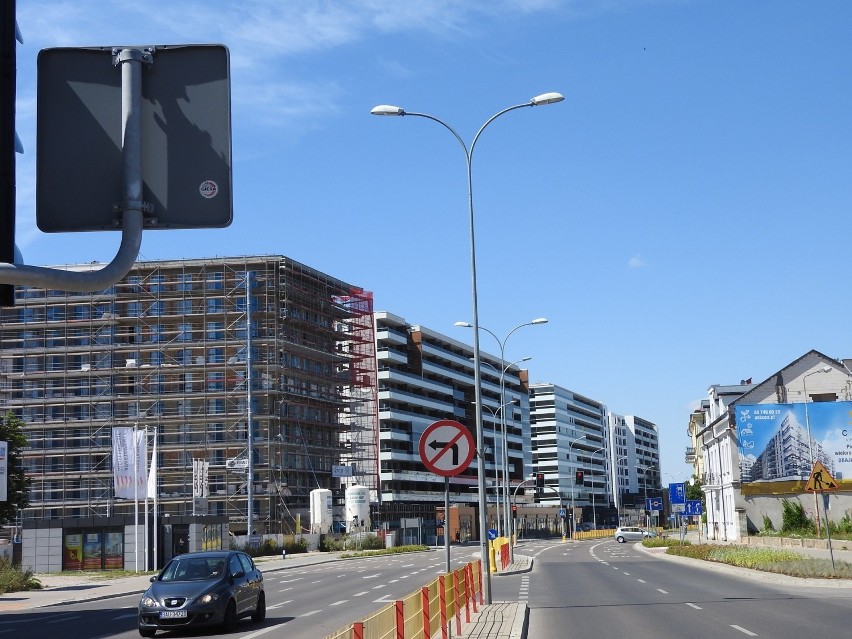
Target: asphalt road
x: 302, y: 603
x: 605, y: 589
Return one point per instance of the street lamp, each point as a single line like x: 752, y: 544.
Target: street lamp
x: 645, y: 484
x: 539, y: 100
x: 594, y: 514
x: 504, y: 437
x: 494, y: 412
x: 573, y: 517
x: 824, y: 369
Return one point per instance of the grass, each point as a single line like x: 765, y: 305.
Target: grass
x: 384, y: 551
x: 778, y: 561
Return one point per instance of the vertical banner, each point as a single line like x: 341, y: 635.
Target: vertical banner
x: 4, y: 471
x: 130, y: 476
x: 152, y: 474
x: 72, y: 557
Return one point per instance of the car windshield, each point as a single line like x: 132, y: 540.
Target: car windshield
x: 193, y: 569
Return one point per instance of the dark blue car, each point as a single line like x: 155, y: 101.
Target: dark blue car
x: 212, y: 588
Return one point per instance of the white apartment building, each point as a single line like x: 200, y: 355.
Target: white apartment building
x: 573, y: 433
x: 425, y: 376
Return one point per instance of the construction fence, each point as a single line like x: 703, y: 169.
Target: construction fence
x: 426, y: 613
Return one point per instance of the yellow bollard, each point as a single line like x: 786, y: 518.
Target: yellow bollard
x: 491, y: 555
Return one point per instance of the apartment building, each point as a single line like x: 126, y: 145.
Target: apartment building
x: 260, y: 366
x: 425, y: 376
x: 591, y: 456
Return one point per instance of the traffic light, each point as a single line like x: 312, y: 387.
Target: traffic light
x: 514, y: 511
x: 9, y: 142
x: 578, y: 477
x: 539, y: 481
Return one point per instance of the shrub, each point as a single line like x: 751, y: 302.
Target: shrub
x: 767, y: 525
x: 13, y: 579
x: 794, y: 520
x: 663, y: 542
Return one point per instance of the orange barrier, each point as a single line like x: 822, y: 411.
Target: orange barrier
x: 418, y: 615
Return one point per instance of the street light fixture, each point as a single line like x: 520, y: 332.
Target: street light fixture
x: 594, y: 513
x: 824, y: 369
x: 385, y: 109
x: 504, y: 437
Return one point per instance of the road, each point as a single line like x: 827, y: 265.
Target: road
x: 308, y: 602
x: 604, y: 589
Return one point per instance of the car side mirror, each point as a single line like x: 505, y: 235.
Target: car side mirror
x: 238, y: 574
x: 153, y: 579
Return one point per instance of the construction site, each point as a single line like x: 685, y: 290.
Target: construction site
x: 260, y: 368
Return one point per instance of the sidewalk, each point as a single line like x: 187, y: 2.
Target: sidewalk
x: 501, y: 619
x: 66, y: 588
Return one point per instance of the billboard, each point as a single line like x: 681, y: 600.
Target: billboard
x: 778, y: 442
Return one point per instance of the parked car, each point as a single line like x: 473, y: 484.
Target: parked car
x: 632, y: 533
x: 211, y: 588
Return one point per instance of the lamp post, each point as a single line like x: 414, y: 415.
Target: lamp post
x: 645, y: 484
x: 494, y: 412
x: 594, y: 513
x: 573, y: 523
x: 504, y: 439
x: 824, y: 369
x: 389, y: 110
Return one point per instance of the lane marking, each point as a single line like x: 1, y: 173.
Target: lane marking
x: 662, y: 591
x: 641, y: 581
x: 363, y: 592
x: 338, y: 603
x: 378, y: 574
x: 312, y: 612
x: 744, y: 631
x: 692, y: 605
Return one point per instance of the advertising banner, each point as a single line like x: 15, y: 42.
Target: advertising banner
x: 73, y: 552
x: 777, y: 442
x: 114, y: 550
x: 92, y: 550
x: 200, y: 478
x: 126, y: 475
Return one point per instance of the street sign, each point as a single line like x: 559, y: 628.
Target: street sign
x: 492, y: 534
x: 562, y: 512
x: 677, y: 493
x: 446, y: 448
x: 820, y: 479
x: 654, y: 503
x: 693, y: 507
x: 186, y: 138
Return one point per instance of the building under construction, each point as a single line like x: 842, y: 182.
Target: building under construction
x: 260, y: 366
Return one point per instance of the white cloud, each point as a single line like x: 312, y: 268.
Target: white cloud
x: 636, y: 262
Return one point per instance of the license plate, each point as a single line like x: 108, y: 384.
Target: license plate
x: 172, y: 614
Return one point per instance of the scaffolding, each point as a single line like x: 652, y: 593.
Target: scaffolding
x: 199, y: 351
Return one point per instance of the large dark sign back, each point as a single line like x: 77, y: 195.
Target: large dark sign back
x: 186, y: 138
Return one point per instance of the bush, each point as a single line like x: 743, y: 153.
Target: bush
x: 663, y: 542
x: 13, y: 579
x: 794, y: 520
x: 271, y: 547
x: 780, y: 561
x: 767, y: 525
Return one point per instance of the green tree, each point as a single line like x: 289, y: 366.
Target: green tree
x: 18, y: 484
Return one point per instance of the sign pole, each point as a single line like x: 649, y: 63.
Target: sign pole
x: 447, y: 522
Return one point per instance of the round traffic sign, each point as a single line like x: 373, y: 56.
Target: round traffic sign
x: 446, y: 448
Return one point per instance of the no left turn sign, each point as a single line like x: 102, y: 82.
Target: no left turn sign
x: 446, y: 448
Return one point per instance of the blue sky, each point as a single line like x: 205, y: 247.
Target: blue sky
x: 671, y: 217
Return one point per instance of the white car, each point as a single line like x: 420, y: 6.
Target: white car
x: 632, y: 533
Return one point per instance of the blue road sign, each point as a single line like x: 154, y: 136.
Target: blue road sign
x: 693, y: 507
x: 654, y: 503
x: 677, y: 493
x: 561, y: 512
x: 492, y: 534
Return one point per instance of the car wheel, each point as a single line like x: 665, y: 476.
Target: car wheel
x: 229, y: 621
x: 620, y: 540
x: 259, y: 613
x: 147, y: 632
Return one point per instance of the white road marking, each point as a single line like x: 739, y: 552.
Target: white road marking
x: 312, y: 612
x: 378, y: 574
x: 338, y: 603
x: 744, y: 631
x: 363, y: 592
x: 662, y: 591
x: 692, y: 605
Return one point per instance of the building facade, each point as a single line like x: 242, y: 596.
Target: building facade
x: 425, y: 376
x: 261, y: 367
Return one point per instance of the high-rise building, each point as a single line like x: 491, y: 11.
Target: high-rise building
x: 261, y: 366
